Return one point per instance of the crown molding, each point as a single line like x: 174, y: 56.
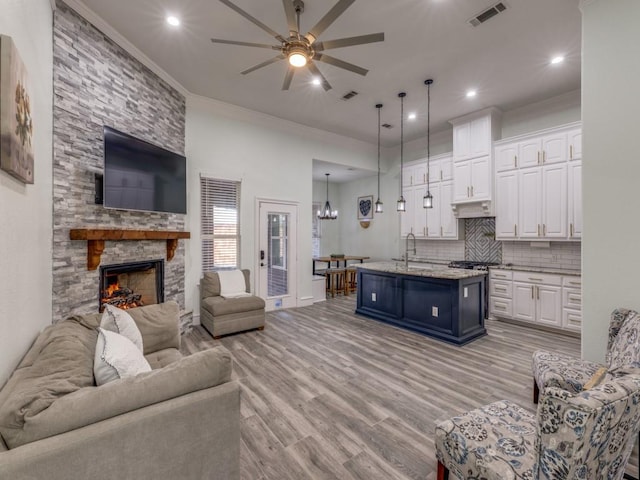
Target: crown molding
x: 97, y: 21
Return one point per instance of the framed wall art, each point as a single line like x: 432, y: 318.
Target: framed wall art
x: 16, y: 123
x: 365, y: 207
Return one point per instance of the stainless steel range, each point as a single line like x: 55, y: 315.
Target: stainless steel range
x: 473, y: 265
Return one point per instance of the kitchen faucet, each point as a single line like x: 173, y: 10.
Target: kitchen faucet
x: 406, y: 249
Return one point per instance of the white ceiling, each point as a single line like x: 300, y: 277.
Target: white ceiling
x: 505, y: 59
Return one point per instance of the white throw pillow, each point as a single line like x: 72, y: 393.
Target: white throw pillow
x: 117, y: 320
x: 116, y: 357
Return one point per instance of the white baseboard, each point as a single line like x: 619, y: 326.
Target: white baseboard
x: 305, y: 301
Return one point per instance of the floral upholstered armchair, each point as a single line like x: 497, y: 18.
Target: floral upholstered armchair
x: 586, y: 435
x: 569, y: 373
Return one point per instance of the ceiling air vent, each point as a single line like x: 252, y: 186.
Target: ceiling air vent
x: 387, y: 125
x: 350, y: 95
x: 488, y: 13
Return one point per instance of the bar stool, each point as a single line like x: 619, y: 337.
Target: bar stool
x: 335, y: 280
x: 351, y: 280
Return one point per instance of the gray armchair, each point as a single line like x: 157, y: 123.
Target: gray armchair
x: 222, y: 316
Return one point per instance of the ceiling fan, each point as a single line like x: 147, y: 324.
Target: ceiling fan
x: 304, y: 50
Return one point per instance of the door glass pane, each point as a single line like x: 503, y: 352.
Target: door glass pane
x: 277, y: 268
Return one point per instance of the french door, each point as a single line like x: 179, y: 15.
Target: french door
x: 277, y: 253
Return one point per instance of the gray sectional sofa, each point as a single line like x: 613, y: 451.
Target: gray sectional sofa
x: 180, y: 420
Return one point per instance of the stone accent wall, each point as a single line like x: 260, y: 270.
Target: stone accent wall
x: 97, y: 83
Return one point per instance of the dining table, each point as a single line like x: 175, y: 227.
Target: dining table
x: 344, y: 259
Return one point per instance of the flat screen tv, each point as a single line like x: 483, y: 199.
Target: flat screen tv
x: 142, y: 176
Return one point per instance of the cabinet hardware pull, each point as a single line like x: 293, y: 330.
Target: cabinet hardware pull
x: 500, y: 307
x: 571, y: 152
x: 515, y: 161
x: 441, y: 232
x: 575, y: 283
x: 574, y: 298
x: 424, y: 231
x: 571, y: 229
x: 499, y: 275
x: 472, y: 190
x: 538, y: 292
x: 468, y: 192
x: 440, y: 174
x: 538, y: 158
x: 533, y: 279
x: 538, y: 229
x: 544, y: 156
x: 501, y: 289
x: 544, y: 229
x: 532, y: 292
x: 515, y: 230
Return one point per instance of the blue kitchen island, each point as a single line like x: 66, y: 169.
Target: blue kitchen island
x: 437, y: 301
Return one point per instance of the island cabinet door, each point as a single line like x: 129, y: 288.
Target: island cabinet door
x: 428, y: 305
x: 379, y: 293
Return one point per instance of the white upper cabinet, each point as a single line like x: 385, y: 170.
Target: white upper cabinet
x: 462, y: 141
x: 480, y: 139
x: 449, y: 223
x: 507, y: 205
x: 462, y: 182
x: 415, y: 174
x: 446, y: 169
x: 574, y: 138
x: 575, y: 199
x: 548, y: 186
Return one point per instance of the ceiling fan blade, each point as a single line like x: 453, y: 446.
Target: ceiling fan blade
x: 321, y: 57
x: 315, y: 71
x: 253, y: 20
x: 331, y: 16
x: 288, y: 77
x: 349, y: 41
x: 263, y: 64
x: 245, y: 44
x: 290, y: 12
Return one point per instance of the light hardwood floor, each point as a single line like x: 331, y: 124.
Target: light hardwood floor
x: 326, y: 394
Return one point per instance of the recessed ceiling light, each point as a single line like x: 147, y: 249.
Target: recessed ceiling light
x: 471, y: 93
x: 173, y: 21
x: 556, y: 60
x: 316, y: 81
x: 412, y: 116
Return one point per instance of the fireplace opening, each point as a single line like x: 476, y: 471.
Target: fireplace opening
x: 130, y: 285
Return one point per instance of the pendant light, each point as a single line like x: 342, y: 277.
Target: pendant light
x: 326, y: 213
x: 378, y: 201
x: 427, y: 200
x: 402, y: 203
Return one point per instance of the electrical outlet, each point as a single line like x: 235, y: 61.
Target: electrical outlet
x: 373, y: 297
x: 465, y: 292
x: 434, y: 312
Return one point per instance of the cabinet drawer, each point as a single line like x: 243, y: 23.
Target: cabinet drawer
x: 537, y: 278
x: 501, y: 307
x: 500, y: 274
x: 572, y: 281
x: 500, y: 288
x: 572, y: 298
x: 572, y: 319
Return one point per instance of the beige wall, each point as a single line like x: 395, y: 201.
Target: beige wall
x: 611, y: 159
x: 25, y: 210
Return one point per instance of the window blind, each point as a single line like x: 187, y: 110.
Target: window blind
x: 219, y: 219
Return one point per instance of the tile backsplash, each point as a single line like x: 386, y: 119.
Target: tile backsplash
x: 561, y: 255
x: 480, y: 244
x: 445, y: 250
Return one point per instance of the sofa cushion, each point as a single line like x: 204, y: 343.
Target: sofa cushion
x: 162, y: 358
x: 210, y: 284
x: 118, y: 321
x: 159, y: 324
x: 222, y: 306
x: 59, y: 363
x: 117, y: 357
x: 93, y: 404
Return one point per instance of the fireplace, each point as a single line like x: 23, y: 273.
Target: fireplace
x: 130, y: 285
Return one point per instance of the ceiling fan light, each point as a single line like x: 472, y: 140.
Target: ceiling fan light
x: 297, y: 59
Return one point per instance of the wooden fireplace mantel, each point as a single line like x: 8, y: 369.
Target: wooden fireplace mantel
x: 96, y: 237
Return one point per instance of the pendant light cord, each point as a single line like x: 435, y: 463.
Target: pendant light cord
x: 379, y: 106
x: 401, y: 95
x: 428, y: 134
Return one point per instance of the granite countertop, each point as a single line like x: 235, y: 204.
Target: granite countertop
x: 525, y: 268
x: 437, y: 271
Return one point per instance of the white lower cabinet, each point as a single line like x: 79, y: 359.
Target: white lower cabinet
x: 539, y: 298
